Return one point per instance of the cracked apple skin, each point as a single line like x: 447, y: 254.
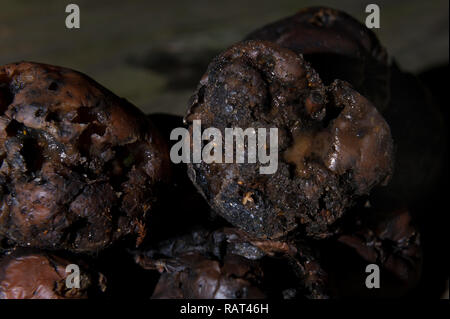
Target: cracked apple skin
x: 80, y: 167
x: 333, y: 144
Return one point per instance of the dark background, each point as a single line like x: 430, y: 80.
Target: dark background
x: 154, y: 52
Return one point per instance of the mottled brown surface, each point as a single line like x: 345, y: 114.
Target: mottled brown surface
x: 199, y: 266
x: 333, y: 144
x: 227, y: 263
x: 204, y: 278
x: 80, y: 166
x: 181, y: 37
x: 38, y: 275
x: 337, y: 46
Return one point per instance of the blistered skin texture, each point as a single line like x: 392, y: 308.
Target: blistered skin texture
x: 38, y: 275
x: 227, y: 263
x: 333, y: 145
x: 79, y: 165
x: 337, y: 46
